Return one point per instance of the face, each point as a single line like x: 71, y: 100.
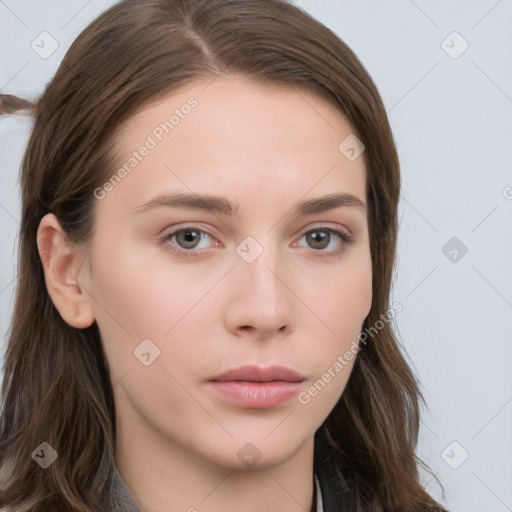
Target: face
x: 211, y: 254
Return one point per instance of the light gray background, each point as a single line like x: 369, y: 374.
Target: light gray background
x: 451, y: 115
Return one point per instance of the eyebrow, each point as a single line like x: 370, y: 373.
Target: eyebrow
x: 224, y: 206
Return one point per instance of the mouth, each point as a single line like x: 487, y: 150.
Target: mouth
x: 259, y: 374
x: 256, y: 387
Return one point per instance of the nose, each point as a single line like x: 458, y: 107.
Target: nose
x: 260, y: 300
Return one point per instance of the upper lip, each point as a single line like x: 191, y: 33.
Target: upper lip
x: 259, y: 374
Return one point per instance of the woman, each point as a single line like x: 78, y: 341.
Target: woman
x: 202, y: 321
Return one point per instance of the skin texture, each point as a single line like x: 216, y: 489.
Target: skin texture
x: 265, y: 148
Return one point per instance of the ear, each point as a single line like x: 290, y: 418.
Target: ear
x: 63, y: 266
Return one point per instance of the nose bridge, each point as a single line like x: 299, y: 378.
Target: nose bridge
x: 262, y: 301
x: 262, y: 278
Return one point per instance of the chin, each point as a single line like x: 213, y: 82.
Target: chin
x: 253, y: 453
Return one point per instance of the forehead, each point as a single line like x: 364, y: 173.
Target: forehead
x: 234, y: 134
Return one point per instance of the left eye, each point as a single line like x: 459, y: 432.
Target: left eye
x: 317, y: 239
x: 320, y: 239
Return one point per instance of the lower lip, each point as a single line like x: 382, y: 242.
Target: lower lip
x: 256, y: 394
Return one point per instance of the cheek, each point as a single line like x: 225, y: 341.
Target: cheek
x: 342, y: 301
x: 353, y: 297
x: 142, y: 291
x: 341, y: 297
x: 143, y: 296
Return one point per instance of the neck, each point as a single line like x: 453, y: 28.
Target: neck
x: 168, y: 476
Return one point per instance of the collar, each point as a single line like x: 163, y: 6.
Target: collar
x: 319, y: 499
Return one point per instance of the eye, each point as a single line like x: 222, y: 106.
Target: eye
x: 321, y: 238
x: 189, y: 238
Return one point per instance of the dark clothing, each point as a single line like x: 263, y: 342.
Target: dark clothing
x: 336, y: 493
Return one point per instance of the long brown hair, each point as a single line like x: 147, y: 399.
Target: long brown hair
x: 56, y: 385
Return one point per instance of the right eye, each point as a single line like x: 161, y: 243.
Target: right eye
x: 188, y: 239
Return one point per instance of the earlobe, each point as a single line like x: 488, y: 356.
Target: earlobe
x: 62, y: 265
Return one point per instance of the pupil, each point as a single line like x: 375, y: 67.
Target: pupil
x: 188, y: 237
x: 319, y: 238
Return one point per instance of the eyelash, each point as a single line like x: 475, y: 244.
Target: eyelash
x: 345, y: 237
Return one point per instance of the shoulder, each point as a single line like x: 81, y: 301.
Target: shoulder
x: 117, y: 496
